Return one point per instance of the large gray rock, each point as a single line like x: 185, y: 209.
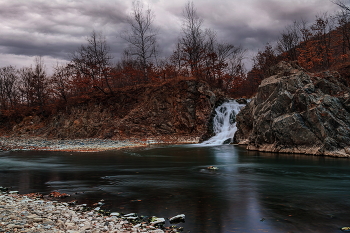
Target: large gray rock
x: 297, y: 112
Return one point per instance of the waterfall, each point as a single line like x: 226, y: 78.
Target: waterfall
x: 224, y: 123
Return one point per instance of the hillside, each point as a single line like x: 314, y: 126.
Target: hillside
x: 175, y: 111
x: 316, y: 46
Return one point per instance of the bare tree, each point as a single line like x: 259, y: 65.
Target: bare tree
x: 304, y: 31
x: 206, y: 57
x: 343, y: 18
x: 141, y: 36
x: 288, y: 41
x: 219, y: 56
x: 8, y: 90
x: 342, y: 4
x: 93, y: 61
x: 61, y: 81
x: 176, y: 59
x: 322, y: 27
x: 34, y: 84
x: 263, y: 61
x: 211, y: 65
x: 193, y: 39
x: 236, y: 66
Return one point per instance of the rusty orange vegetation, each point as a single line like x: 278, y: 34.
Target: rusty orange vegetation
x: 58, y: 194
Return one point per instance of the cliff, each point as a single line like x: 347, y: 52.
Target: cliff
x: 174, y: 111
x: 297, y: 112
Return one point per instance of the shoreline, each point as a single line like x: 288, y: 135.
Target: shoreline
x: 27, y: 213
x: 38, y: 213
x: 81, y: 145
x: 67, y: 145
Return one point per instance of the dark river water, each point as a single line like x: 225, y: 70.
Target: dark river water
x: 251, y: 191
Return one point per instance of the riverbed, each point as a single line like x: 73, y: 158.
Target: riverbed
x: 248, y: 192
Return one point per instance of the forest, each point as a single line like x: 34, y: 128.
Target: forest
x: 199, y: 54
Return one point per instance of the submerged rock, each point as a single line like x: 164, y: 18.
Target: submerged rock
x: 177, y: 219
x: 157, y: 221
x: 3, y: 189
x: 297, y: 112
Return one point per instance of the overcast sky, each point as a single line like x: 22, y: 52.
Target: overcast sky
x: 55, y: 28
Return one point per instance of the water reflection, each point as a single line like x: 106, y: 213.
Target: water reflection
x: 251, y: 191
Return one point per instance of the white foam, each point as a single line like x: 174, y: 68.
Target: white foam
x: 224, y: 123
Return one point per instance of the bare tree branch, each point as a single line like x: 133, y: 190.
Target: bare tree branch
x: 342, y: 5
x: 193, y: 39
x: 141, y: 36
x: 93, y: 61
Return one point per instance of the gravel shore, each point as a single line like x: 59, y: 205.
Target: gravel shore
x: 27, y: 213
x: 20, y: 213
x: 83, y: 145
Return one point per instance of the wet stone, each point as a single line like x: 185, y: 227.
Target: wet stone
x: 23, y: 214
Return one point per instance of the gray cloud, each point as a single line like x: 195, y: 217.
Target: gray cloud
x: 54, y: 29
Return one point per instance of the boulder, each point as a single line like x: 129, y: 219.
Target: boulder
x: 177, y: 219
x: 297, y: 112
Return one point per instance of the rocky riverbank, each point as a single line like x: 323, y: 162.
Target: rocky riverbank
x: 84, y: 145
x: 81, y: 145
x: 22, y: 213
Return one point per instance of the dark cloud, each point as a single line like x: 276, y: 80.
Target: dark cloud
x: 54, y: 29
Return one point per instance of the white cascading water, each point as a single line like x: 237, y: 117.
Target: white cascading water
x: 224, y: 123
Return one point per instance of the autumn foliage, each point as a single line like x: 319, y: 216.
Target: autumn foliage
x: 322, y: 44
x: 318, y: 46
x: 91, y: 72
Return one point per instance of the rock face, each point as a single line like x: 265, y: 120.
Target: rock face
x: 297, y: 112
x: 171, y: 110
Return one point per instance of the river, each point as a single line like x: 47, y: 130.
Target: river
x: 250, y: 191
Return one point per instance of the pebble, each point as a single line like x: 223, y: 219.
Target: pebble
x: 84, y: 145
x: 17, y: 215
